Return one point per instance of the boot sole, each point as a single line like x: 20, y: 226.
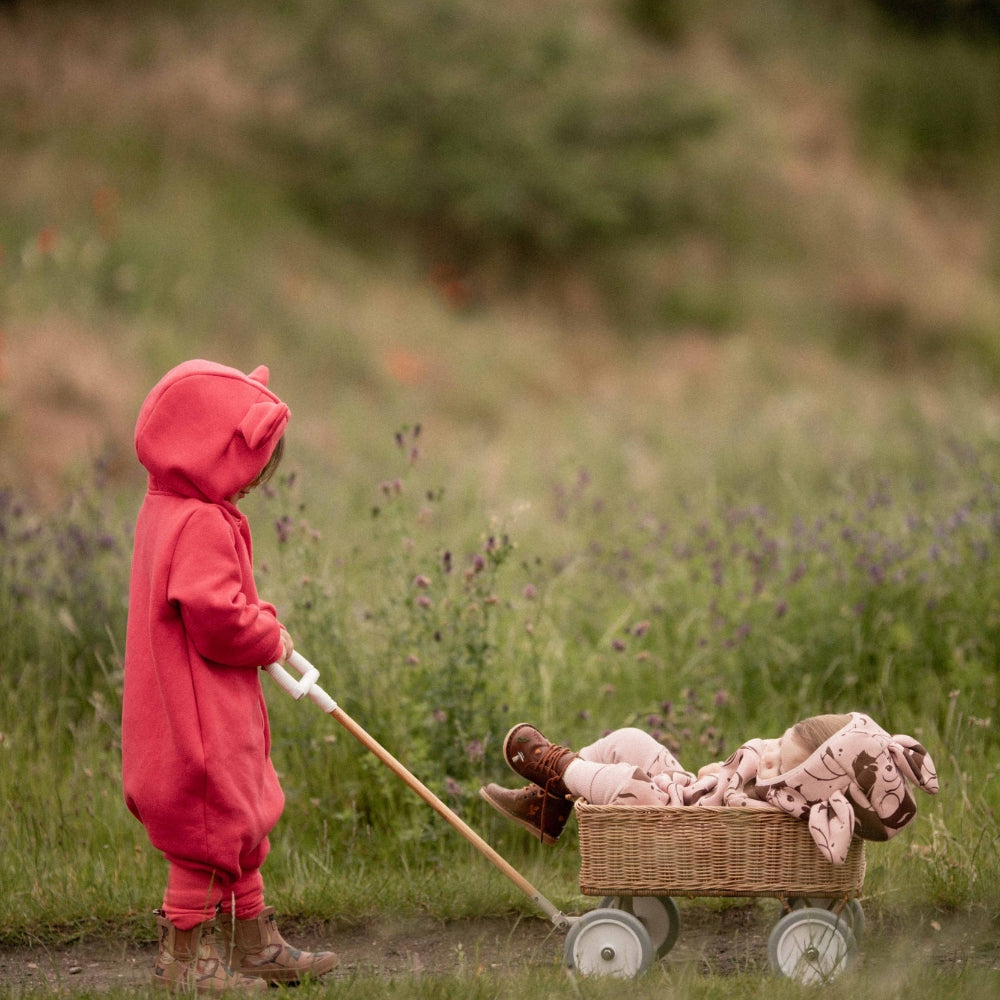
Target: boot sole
x: 507, y: 748
x: 293, y: 977
x: 184, y: 988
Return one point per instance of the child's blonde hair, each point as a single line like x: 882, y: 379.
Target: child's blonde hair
x: 269, y: 467
x: 813, y: 732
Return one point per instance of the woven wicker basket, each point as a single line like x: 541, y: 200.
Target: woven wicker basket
x: 707, y: 851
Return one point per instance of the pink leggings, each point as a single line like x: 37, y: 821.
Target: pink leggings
x: 193, y: 894
x: 617, y: 770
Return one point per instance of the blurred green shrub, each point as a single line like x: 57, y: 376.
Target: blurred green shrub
x: 663, y: 20
x: 490, y: 132
x: 929, y: 106
x: 973, y: 17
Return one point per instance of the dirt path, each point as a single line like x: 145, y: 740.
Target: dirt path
x: 718, y: 941
x: 412, y: 945
x: 404, y: 946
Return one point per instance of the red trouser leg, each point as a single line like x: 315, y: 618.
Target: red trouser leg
x: 192, y: 896
x: 194, y: 893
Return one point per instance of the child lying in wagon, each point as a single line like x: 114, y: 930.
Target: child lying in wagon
x: 843, y: 774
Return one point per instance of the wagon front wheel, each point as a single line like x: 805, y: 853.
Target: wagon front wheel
x: 609, y: 942
x: 811, y: 946
x: 658, y: 914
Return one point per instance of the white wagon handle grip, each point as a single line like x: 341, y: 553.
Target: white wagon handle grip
x: 298, y: 689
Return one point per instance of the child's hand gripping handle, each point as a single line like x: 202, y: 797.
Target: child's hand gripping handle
x: 305, y: 685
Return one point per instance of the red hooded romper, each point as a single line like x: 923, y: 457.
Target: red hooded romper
x: 196, y: 763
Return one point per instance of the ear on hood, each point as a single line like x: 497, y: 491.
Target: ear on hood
x: 262, y: 421
x: 260, y: 374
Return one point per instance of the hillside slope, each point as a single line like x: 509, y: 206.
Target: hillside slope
x: 163, y: 197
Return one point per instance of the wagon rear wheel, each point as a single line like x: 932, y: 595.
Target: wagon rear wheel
x: 811, y: 945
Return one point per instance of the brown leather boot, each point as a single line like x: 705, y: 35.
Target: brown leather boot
x: 255, y: 947
x: 541, y: 814
x: 532, y: 756
x: 189, y: 962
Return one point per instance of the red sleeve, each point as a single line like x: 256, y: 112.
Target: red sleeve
x: 209, y: 585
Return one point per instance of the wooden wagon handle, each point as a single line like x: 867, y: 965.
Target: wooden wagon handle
x: 307, y: 686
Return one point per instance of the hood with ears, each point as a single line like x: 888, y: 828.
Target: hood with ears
x: 857, y: 782
x: 206, y: 430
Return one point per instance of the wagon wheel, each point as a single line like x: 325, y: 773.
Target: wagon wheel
x: 658, y: 914
x: 608, y: 942
x: 851, y: 912
x: 811, y: 946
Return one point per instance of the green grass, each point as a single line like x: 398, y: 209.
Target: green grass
x: 704, y: 623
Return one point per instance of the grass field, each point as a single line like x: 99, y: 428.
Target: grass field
x: 703, y: 479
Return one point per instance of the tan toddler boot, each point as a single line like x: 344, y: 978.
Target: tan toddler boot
x: 255, y: 947
x: 189, y: 962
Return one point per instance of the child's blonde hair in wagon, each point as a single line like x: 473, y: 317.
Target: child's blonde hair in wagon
x: 813, y: 732
x: 817, y: 729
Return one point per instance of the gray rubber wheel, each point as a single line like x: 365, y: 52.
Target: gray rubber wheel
x: 851, y: 912
x: 658, y: 914
x: 609, y: 942
x: 811, y: 946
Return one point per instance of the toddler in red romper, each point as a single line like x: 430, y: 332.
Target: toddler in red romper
x: 196, y: 762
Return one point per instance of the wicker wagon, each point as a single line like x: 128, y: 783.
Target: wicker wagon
x: 639, y: 857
